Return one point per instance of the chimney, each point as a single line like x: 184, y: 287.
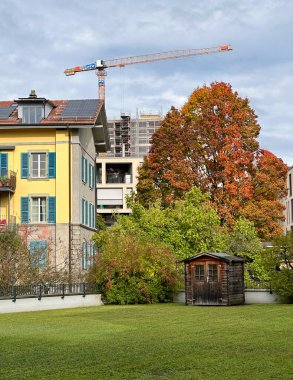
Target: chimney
x: 33, y: 94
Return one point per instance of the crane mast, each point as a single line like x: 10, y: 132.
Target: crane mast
x: 101, y: 65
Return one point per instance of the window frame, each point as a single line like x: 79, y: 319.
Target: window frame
x: 39, y: 162
x: 28, y: 118
x: 39, y: 209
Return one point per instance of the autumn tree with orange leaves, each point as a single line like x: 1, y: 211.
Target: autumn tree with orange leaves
x: 212, y: 144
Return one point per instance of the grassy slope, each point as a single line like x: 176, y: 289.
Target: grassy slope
x: 149, y: 342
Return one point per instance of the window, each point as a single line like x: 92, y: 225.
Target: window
x: 38, y: 165
x: 37, y: 209
x: 38, y: 252
x: 199, y: 273
x: 84, y: 169
x: 87, y: 214
x: 88, y: 255
x: 213, y: 272
x: 32, y: 114
x: 290, y: 185
x: 91, y: 215
x: 91, y: 176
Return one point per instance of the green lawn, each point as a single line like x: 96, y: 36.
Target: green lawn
x: 168, y: 341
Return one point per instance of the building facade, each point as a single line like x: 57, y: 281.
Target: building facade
x: 117, y: 171
x: 47, y: 181
x: 288, y: 224
x: 131, y: 137
x: 116, y: 179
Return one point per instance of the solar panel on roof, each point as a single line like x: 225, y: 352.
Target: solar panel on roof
x: 5, y: 112
x: 80, y: 109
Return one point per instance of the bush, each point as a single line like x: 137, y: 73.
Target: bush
x: 132, y: 269
x: 282, y: 283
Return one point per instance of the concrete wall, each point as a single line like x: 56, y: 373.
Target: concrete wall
x: 259, y: 296
x: 252, y: 296
x: 49, y: 303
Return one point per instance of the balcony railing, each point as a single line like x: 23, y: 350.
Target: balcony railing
x: 118, y: 178
x: 8, y: 182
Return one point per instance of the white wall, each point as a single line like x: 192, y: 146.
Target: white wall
x: 49, y: 303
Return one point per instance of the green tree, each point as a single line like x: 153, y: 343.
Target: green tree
x: 187, y: 227
x: 279, y: 265
x: 243, y: 241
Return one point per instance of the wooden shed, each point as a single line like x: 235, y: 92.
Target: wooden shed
x: 214, y: 279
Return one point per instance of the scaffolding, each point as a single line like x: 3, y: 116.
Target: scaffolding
x: 132, y: 137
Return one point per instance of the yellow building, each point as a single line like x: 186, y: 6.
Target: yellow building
x: 47, y: 175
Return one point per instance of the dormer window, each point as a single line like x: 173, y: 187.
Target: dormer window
x: 32, y: 114
x: 32, y: 110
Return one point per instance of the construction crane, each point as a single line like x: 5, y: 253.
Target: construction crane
x: 101, y: 65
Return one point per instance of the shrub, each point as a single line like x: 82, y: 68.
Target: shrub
x: 282, y: 283
x: 133, y: 269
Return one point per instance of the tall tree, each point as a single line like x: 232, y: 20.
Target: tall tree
x: 269, y: 187
x: 212, y: 143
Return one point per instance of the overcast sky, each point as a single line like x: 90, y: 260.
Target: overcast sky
x: 40, y: 39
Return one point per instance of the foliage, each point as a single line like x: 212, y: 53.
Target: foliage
x: 269, y: 187
x: 187, y: 227
x: 212, y: 143
x: 243, y: 241
x: 282, y: 283
x: 279, y: 264
x: 14, y: 259
x: 133, y: 269
x: 100, y: 223
x: 163, y: 341
x: 20, y: 266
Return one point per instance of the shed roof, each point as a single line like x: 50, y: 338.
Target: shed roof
x: 215, y: 255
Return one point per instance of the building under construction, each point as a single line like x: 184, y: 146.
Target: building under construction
x: 132, y: 137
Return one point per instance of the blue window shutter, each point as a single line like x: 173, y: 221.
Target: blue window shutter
x: 82, y: 211
x: 84, y: 253
x: 89, y: 256
x: 24, y: 204
x: 82, y: 168
x: 86, y: 171
x: 3, y: 164
x: 90, y: 175
x: 51, y: 165
x: 93, y: 177
x: 90, y: 215
x: 42, y: 246
x: 24, y: 165
x: 51, y: 209
x: 86, y: 213
x: 32, y: 249
x: 38, y: 251
x: 93, y: 216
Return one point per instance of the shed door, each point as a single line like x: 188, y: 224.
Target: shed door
x: 206, y: 283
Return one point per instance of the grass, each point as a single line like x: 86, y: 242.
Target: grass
x: 169, y: 341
